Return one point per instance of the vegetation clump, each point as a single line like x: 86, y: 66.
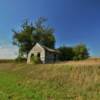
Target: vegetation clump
x: 79, y: 52
x: 35, y: 59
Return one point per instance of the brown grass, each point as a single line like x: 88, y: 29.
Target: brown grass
x: 88, y: 62
x: 73, y: 80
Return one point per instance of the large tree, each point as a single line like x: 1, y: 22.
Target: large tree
x: 24, y: 38
x: 43, y: 33
x: 32, y: 33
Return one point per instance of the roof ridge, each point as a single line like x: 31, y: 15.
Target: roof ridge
x: 49, y: 49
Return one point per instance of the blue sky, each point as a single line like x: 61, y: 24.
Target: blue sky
x: 74, y: 21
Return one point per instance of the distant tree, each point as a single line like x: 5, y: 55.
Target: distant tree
x: 66, y: 53
x: 80, y: 52
x: 32, y: 33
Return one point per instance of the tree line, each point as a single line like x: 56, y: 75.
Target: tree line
x: 40, y: 32
x: 78, y: 52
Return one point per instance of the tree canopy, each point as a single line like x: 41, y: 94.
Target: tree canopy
x: 32, y: 33
x: 79, y: 52
x: 66, y: 53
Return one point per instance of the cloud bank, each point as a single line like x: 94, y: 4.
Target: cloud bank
x: 8, y: 52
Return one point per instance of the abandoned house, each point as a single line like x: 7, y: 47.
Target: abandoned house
x: 45, y: 54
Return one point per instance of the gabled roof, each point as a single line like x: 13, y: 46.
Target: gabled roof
x: 48, y: 49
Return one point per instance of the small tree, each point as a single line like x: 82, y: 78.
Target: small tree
x: 81, y: 52
x: 66, y: 53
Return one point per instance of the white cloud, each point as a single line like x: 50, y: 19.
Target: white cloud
x: 10, y: 52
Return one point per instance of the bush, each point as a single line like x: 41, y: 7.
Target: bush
x: 35, y: 60
x: 80, y: 52
x: 20, y: 59
x: 66, y: 53
x: 7, y: 61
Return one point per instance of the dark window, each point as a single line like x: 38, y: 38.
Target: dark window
x: 32, y: 55
x: 38, y: 55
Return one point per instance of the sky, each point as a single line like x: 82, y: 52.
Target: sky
x: 74, y: 21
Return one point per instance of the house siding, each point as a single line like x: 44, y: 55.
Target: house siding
x: 35, y: 50
x: 51, y: 57
x: 45, y: 56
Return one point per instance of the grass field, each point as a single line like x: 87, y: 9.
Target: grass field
x: 63, y: 81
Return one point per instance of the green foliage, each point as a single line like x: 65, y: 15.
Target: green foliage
x: 31, y: 34
x: 66, y: 53
x: 44, y: 34
x: 35, y: 59
x: 20, y: 59
x: 24, y: 38
x: 79, y: 52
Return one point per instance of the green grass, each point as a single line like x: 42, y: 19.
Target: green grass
x: 49, y: 82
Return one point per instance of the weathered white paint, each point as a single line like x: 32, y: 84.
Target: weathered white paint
x: 35, y: 50
x: 47, y: 55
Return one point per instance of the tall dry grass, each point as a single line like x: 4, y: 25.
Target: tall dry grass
x: 75, y: 80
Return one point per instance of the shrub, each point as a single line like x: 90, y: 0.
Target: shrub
x: 20, y: 59
x: 80, y: 52
x: 35, y: 60
x: 66, y: 53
